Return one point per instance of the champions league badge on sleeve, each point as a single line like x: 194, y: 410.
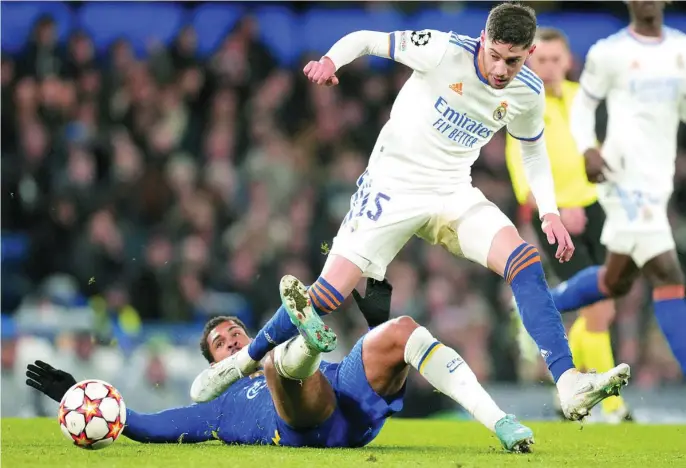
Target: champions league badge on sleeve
x: 420, y: 38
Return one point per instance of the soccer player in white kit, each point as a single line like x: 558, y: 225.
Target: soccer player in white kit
x: 641, y: 73
x: 463, y: 90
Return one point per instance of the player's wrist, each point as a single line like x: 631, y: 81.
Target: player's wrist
x: 543, y: 214
x: 326, y: 59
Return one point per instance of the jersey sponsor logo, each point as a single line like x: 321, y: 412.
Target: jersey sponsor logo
x: 655, y: 90
x: 458, y: 127
x: 501, y: 111
x: 420, y: 38
x: 255, y: 389
x: 457, y: 87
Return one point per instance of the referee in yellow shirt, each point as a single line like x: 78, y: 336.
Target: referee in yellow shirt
x: 581, y: 214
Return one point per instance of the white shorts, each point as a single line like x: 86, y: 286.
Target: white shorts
x: 380, y: 222
x: 636, y: 224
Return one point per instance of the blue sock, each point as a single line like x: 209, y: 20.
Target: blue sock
x: 670, y: 312
x: 541, y: 319
x: 581, y: 290
x: 324, y: 299
x: 276, y: 331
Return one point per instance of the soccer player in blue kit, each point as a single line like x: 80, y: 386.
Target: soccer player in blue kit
x: 299, y: 400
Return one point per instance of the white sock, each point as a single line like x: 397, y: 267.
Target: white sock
x: 295, y: 360
x: 245, y: 363
x: 450, y: 374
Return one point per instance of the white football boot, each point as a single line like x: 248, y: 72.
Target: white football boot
x: 214, y: 380
x: 579, y: 392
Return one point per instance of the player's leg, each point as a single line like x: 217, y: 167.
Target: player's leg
x: 486, y: 236
x: 596, y: 283
x: 389, y: 350
x: 665, y: 276
x: 611, y: 280
x: 303, y: 397
x: 375, y: 229
x: 582, y: 258
x: 324, y: 296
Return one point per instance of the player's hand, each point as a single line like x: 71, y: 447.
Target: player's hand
x: 322, y: 72
x: 574, y: 219
x: 376, y: 304
x: 557, y: 234
x: 596, y: 167
x: 48, y: 380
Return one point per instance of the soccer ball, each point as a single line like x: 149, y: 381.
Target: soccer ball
x: 92, y: 414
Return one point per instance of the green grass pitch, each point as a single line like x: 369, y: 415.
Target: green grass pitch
x: 402, y: 443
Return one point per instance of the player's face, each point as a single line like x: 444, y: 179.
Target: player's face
x: 502, y: 62
x: 226, y: 339
x: 551, y: 61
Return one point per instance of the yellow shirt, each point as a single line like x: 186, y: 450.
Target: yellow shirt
x: 572, y: 188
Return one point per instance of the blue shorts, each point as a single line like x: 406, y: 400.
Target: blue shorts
x: 360, y: 412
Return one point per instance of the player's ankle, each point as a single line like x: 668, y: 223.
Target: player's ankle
x: 567, y: 379
x: 295, y: 359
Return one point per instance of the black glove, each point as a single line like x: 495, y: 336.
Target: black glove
x: 376, y: 304
x: 46, y: 379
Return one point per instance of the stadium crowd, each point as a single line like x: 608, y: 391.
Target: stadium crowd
x: 173, y: 189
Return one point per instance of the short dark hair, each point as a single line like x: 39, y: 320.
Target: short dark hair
x: 547, y: 34
x: 211, y: 325
x: 512, y: 23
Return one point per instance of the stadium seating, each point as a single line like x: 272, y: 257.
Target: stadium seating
x: 288, y: 35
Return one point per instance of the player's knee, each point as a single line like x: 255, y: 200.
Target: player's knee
x: 667, y: 274
x: 616, y: 285
x: 400, y: 329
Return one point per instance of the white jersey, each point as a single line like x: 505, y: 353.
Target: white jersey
x: 446, y: 112
x: 645, y: 87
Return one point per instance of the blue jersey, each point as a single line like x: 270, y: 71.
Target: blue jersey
x: 246, y: 414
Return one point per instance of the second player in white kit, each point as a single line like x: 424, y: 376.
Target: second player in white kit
x: 641, y: 73
x: 643, y: 80
x: 463, y: 90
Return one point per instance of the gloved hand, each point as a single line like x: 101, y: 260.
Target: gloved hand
x: 48, y: 380
x: 376, y: 304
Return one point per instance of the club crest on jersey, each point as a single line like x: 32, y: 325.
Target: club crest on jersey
x: 255, y: 388
x: 680, y: 62
x: 501, y: 111
x: 420, y: 38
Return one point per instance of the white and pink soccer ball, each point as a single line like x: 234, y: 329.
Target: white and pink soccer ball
x: 92, y: 414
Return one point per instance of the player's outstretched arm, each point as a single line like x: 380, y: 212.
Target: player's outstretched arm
x: 190, y: 424
x: 419, y: 50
